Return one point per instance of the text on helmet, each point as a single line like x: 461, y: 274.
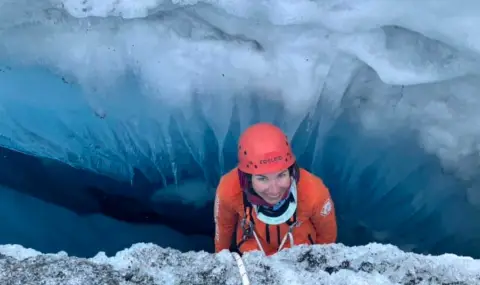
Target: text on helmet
x: 271, y: 160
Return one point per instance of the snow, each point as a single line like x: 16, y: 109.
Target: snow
x: 175, y: 62
x: 144, y: 264
x: 380, y: 98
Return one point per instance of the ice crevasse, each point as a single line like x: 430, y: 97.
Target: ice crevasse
x: 380, y: 98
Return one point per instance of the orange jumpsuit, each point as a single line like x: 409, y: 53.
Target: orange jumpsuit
x: 315, y: 216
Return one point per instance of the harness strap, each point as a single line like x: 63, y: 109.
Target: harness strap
x: 288, y: 234
x: 248, y: 227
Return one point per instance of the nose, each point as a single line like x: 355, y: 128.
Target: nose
x: 273, y: 189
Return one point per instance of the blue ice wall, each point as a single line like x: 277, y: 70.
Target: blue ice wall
x: 385, y: 186
x: 379, y: 97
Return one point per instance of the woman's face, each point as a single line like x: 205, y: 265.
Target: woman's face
x: 272, y: 186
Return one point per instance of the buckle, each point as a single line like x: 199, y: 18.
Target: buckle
x: 247, y: 228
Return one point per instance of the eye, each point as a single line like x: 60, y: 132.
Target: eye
x: 260, y: 178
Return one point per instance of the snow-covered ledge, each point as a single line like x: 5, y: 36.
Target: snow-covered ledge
x: 147, y: 264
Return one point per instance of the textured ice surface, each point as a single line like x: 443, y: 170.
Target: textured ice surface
x: 147, y: 264
x: 182, y: 66
x: 380, y: 97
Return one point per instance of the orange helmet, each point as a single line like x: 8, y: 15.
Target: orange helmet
x: 264, y: 148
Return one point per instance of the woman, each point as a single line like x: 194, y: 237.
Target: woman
x: 268, y: 200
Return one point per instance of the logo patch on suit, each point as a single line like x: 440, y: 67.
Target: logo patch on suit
x: 327, y: 208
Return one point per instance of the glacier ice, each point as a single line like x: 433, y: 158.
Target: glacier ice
x: 30, y: 222
x: 148, y: 264
x: 380, y: 98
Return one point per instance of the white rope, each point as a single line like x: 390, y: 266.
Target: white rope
x: 288, y: 235
x: 241, y: 268
x: 258, y: 242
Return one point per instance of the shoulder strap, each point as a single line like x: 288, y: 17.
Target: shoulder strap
x: 247, y: 208
x: 247, y: 223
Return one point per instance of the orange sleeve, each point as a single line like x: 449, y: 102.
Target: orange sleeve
x: 323, y: 216
x: 225, y: 218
